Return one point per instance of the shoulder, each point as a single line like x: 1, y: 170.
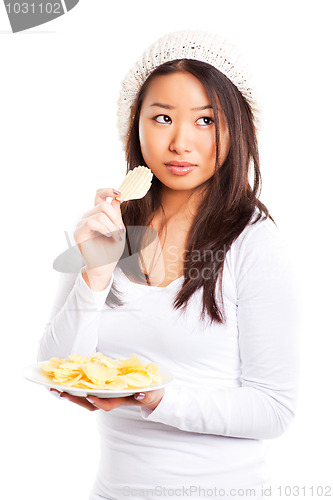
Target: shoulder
x: 259, y: 245
x: 259, y: 229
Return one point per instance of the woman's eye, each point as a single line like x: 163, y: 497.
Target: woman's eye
x: 162, y: 119
x: 205, y: 120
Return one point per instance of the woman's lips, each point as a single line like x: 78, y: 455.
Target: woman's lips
x: 180, y: 167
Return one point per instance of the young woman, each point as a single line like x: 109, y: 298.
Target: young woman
x: 210, y: 298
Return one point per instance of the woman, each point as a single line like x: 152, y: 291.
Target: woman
x: 210, y: 298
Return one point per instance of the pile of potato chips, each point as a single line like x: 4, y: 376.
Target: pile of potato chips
x: 101, y: 372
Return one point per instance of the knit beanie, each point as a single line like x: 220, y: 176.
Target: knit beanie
x: 198, y: 45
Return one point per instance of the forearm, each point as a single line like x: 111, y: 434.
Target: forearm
x: 242, y: 412
x: 268, y: 321
x: 74, y: 329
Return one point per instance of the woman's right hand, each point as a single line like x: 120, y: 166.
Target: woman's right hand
x: 100, y: 236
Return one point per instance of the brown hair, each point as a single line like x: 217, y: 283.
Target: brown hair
x: 228, y: 199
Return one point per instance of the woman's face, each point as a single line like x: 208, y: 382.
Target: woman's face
x: 177, y: 132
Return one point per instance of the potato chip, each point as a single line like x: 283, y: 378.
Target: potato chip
x: 136, y: 184
x: 52, y: 364
x: 98, y: 371
x: 76, y: 358
x: 136, y: 379
x: 103, y: 360
x: 132, y: 364
x: 73, y: 381
x: 153, y: 372
x: 99, y: 374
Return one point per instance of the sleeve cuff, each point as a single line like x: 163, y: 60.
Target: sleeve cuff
x: 164, y: 410
x: 90, y: 297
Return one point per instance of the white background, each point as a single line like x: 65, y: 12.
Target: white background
x: 59, y: 86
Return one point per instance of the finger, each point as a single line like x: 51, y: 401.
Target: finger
x: 151, y: 398
x: 108, y: 404
x: 65, y: 395
x: 113, y: 212
x: 107, y: 208
x: 79, y: 401
x: 113, y: 215
x: 102, y: 224
x: 55, y: 393
x: 55, y: 390
x: 102, y: 194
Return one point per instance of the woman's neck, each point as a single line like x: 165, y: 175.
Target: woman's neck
x: 179, y: 204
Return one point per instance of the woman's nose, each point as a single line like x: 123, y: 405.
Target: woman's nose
x: 181, y: 140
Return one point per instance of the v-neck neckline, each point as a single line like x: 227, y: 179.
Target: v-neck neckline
x: 151, y: 286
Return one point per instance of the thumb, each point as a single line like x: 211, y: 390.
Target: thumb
x: 116, y: 205
x: 114, y: 201
x: 150, y: 398
x: 142, y: 397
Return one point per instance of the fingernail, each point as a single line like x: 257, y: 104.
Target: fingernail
x: 55, y: 393
x: 117, y: 193
x: 121, y: 228
x: 140, y: 396
x: 119, y: 237
x: 108, y: 234
x: 91, y: 400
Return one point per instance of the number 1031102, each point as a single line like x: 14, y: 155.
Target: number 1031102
x: 304, y: 491
x: 34, y: 8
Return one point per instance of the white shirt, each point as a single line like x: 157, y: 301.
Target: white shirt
x: 235, y: 384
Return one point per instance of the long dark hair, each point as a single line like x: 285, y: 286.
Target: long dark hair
x: 229, y: 201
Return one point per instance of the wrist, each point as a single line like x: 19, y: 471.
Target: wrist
x: 96, y: 281
x: 154, y: 405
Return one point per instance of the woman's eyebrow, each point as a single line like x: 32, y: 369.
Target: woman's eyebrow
x: 167, y: 106
x: 201, y: 108
x: 159, y: 105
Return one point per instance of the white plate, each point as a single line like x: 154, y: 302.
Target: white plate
x: 34, y: 374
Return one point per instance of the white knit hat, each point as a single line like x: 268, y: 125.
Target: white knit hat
x: 199, y: 45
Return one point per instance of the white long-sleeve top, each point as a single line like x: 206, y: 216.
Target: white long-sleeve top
x: 235, y: 384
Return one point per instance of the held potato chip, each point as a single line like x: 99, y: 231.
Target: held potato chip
x: 136, y: 184
x: 98, y: 371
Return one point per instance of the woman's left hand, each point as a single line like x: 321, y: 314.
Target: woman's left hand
x: 148, y: 399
